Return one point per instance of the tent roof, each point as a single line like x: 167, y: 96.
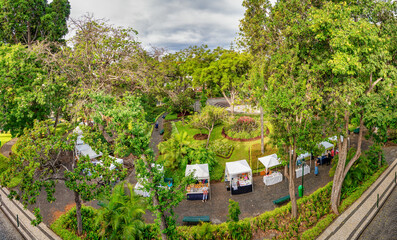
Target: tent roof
x: 200, y: 171
x: 335, y: 138
x: 327, y: 145
x: 86, y: 150
x: 79, y: 140
x: 238, y: 167
x: 270, y: 160
x: 303, y: 155
x: 78, y: 131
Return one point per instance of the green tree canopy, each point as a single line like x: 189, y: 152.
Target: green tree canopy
x: 27, y: 21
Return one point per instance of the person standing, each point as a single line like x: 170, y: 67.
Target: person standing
x: 316, y: 168
x: 205, y: 194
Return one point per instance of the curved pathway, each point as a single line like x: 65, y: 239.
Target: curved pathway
x: 6, y: 148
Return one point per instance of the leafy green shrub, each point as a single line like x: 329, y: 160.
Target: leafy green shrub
x: 314, y: 232
x: 234, y: 211
x: 66, y: 225
x: 240, y: 230
x: 167, y: 131
x: 222, y: 148
x: 88, y: 215
x: 360, y: 189
x: 170, y: 117
x: 3, y: 163
x: 362, y: 169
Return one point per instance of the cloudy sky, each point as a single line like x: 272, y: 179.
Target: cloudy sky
x: 170, y: 24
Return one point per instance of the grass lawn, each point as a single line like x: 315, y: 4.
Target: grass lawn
x: 240, y: 152
x: 5, y: 137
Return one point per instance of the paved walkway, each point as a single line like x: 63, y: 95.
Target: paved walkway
x: 7, y: 230
x: 15, y: 212
x: 6, y: 148
x: 351, y: 223
x: 384, y: 225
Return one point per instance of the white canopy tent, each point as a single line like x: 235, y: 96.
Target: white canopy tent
x: 326, y: 145
x: 86, y: 150
x: 139, y: 188
x: 303, y: 156
x: 83, y: 149
x: 270, y: 161
x: 234, y: 169
x: 237, y: 167
x: 335, y: 138
x: 201, y: 173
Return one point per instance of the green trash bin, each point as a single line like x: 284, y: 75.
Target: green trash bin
x: 300, y: 190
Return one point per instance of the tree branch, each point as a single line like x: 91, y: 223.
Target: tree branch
x: 373, y: 85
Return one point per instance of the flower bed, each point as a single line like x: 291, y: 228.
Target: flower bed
x: 243, y: 130
x: 242, y: 139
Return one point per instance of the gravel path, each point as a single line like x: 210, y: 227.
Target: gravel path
x: 7, y: 230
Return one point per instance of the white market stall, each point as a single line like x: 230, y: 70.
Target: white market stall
x: 238, y: 177
x: 202, y: 175
x: 324, y: 157
x: 306, y: 168
x: 139, y: 188
x: 268, y: 162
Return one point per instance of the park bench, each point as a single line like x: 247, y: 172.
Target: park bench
x: 196, y: 219
x: 281, y: 200
x: 162, y: 131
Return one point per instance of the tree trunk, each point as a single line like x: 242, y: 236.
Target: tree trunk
x: 209, y: 135
x: 78, y: 213
x: 163, y: 222
x: 341, y: 169
x: 156, y: 202
x: 262, y: 133
x: 29, y: 35
x: 56, y: 120
x: 230, y: 101
x: 291, y: 181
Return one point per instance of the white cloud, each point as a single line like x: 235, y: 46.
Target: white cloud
x: 171, y: 24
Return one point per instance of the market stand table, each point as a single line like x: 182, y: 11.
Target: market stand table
x: 238, y: 177
x: 201, y: 174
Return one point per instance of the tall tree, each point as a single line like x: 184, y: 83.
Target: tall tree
x: 44, y: 158
x: 209, y: 117
x: 227, y: 74
x: 255, y: 36
x: 27, y: 21
x: 23, y: 89
x: 281, y: 79
x: 356, y: 58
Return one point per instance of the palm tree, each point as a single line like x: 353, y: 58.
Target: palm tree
x: 174, y: 149
x: 121, y: 216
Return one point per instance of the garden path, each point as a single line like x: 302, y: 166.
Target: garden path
x: 6, y: 148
